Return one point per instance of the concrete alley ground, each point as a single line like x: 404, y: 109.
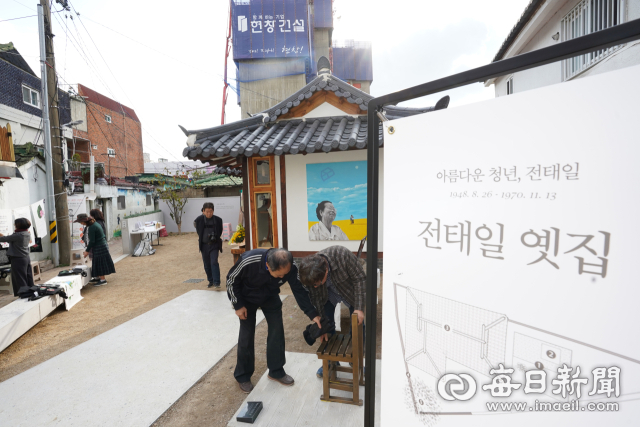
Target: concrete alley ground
x: 140, y: 285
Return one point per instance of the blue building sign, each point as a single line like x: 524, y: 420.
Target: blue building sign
x: 323, y: 13
x: 270, y: 29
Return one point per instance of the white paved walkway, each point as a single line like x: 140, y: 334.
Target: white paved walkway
x: 130, y: 375
x: 300, y: 404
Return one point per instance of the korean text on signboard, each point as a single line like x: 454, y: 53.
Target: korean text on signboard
x: 270, y: 29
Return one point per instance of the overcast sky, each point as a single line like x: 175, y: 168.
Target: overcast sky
x: 166, y: 60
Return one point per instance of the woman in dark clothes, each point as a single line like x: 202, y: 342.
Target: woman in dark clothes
x: 102, y: 264
x: 21, y: 273
x: 97, y: 215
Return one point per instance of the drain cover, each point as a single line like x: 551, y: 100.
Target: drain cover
x: 193, y: 281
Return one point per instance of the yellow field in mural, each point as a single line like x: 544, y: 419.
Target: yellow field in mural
x: 355, y: 231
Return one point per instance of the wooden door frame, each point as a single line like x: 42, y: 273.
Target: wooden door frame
x: 255, y: 188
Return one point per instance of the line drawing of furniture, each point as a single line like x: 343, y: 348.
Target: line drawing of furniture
x: 435, y: 331
x: 438, y: 329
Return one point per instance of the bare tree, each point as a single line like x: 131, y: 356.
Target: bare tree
x: 174, y: 196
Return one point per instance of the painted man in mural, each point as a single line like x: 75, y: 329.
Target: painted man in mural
x: 325, y: 230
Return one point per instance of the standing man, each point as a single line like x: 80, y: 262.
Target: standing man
x: 331, y: 276
x: 209, y: 228
x: 254, y: 282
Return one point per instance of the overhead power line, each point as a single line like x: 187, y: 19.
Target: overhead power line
x: 14, y: 19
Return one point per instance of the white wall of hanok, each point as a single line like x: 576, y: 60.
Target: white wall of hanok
x: 18, y: 193
x: 324, y: 110
x: 543, y: 26
x: 297, y: 214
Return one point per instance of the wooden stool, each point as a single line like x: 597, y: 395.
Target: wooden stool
x: 35, y: 271
x: 343, y: 348
x: 237, y: 252
x: 77, y: 258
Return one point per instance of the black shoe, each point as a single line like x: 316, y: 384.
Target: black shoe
x: 100, y: 283
x: 246, y: 387
x: 210, y: 285
x: 216, y: 285
x: 94, y: 279
x: 286, y: 380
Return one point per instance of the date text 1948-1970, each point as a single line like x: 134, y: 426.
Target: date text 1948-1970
x: 509, y: 195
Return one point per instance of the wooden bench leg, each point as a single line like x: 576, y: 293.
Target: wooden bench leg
x: 361, y: 373
x: 356, y: 386
x: 325, y: 380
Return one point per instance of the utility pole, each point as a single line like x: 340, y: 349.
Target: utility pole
x: 55, y: 156
x: 50, y: 203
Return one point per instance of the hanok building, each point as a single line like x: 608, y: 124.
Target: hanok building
x: 303, y: 164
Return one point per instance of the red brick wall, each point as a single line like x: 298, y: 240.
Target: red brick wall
x: 123, y: 134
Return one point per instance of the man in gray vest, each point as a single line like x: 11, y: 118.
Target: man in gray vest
x: 331, y: 276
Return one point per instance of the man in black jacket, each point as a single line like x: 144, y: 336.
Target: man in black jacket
x: 209, y: 228
x: 254, y: 282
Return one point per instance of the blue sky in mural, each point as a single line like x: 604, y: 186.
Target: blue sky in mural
x: 342, y: 183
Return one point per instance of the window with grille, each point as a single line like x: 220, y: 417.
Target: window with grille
x: 588, y: 17
x: 107, y: 118
x: 111, y: 152
x: 510, y: 85
x: 122, y: 204
x: 30, y: 96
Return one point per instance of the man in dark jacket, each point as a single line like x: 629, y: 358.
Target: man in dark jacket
x: 254, y: 282
x: 331, y: 276
x: 209, y: 228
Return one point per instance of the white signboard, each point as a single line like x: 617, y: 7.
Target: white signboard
x: 40, y: 218
x: 77, y: 205
x: 25, y: 212
x: 511, y: 294
x: 6, y: 225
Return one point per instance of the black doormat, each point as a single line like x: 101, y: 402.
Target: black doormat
x: 193, y: 281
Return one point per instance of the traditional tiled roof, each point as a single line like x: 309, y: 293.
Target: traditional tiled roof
x: 117, y: 182
x: 326, y: 82
x: 217, y: 180
x: 250, y: 137
x: 528, y: 13
x: 253, y: 137
x: 274, y: 131
x: 285, y: 137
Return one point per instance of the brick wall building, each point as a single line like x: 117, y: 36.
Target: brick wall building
x: 113, y: 134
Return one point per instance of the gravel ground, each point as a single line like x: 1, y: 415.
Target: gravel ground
x: 140, y: 285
